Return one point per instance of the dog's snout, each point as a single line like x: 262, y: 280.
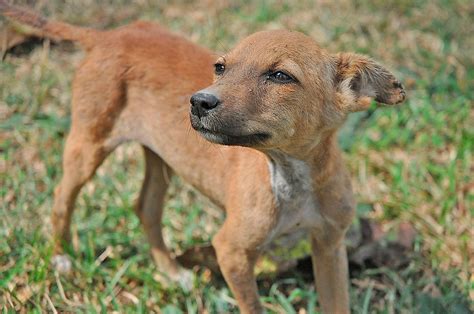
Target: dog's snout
x: 203, y: 102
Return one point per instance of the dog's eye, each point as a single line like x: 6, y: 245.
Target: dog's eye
x: 280, y: 77
x: 219, y: 68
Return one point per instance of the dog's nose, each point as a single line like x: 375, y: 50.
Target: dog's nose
x: 203, y: 102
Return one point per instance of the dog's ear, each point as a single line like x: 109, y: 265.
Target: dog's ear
x: 359, y: 80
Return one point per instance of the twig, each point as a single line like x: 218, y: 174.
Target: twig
x: 61, y: 291
x: 50, y: 303
x: 103, y: 256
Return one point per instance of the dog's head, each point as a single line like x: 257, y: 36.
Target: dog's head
x: 279, y: 89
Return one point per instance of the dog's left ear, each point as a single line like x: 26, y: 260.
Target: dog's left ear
x: 359, y: 80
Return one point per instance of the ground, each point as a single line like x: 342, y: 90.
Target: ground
x: 412, y: 165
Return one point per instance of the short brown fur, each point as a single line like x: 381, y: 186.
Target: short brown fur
x: 135, y: 85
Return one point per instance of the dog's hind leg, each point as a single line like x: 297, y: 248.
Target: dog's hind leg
x: 149, y: 209
x: 81, y: 158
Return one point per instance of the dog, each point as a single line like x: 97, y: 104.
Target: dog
x: 270, y: 108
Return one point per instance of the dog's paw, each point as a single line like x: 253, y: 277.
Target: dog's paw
x: 184, y: 279
x: 61, y: 263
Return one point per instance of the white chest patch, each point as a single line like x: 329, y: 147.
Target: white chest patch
x: 298, y: 210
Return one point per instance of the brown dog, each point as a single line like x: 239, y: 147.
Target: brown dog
x: 277, y: 101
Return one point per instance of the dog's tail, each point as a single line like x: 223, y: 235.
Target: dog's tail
x: 86, y: 37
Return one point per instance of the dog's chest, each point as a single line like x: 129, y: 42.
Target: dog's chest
x: 297, y: 206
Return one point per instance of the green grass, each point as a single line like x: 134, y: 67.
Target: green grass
x: 410, y: 164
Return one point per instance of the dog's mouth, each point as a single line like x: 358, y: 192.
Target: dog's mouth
x: 228, y: 139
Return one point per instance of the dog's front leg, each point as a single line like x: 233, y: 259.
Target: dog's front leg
x: 237, y: 265
x: 337, y: 209
x: 331, y: 272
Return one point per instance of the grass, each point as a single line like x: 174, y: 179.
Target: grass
x: 411, y: 164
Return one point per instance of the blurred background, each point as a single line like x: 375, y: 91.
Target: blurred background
x: 411, y: 247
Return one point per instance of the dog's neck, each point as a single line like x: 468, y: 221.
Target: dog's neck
x: 306, y: 166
